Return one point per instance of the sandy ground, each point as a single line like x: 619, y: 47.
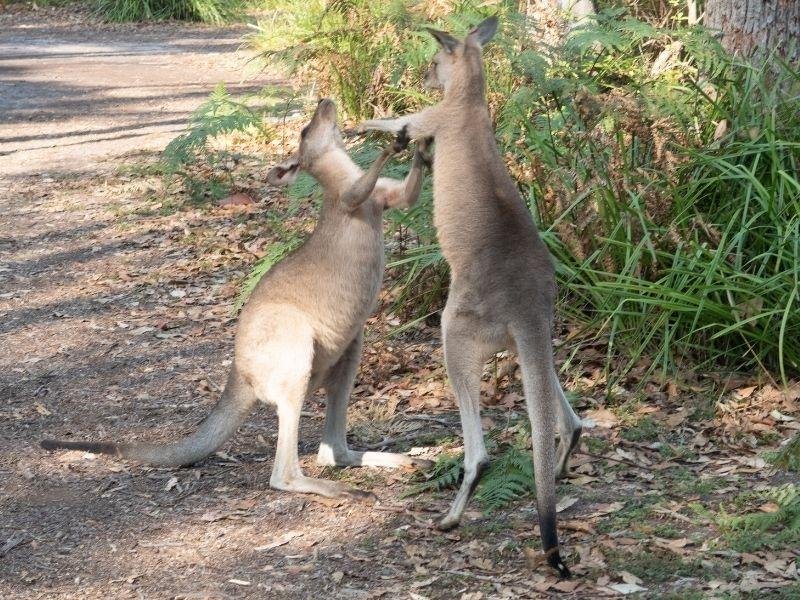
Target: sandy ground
x: 72, y: 95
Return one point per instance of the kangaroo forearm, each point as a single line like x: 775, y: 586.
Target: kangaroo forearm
x: 419, y: 125
x: 413, y: 182
x: 364, y: 185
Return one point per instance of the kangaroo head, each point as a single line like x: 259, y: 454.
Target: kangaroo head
x: 458, y: 62
x: 320, y: 136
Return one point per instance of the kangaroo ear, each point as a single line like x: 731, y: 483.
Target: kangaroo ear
x: 285, y: 173
x: 484, y: 32
x: 446, y: 41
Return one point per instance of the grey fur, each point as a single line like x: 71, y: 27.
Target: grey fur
x: 503, y: 287
x: 302, y: 326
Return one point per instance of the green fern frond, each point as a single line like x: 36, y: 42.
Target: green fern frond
x: 788, y: 457
x: 219, y: 115
x: 446, y: 474
x: 509, y: 477
x: 781, y: 526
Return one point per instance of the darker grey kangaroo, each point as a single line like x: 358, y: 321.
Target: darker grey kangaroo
x: 503, y: 287
x: 302, y: 327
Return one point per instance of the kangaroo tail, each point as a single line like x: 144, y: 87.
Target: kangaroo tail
x: 225, y: 418
x: 541, y: 388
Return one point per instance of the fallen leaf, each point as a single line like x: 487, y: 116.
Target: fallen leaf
x: 721, y: 129
x: 41, y: 409
x: 627, y: 588
x: 577, y: 525
x: 676, y: 419
x: 237, y: 199
x: 604, y: 509
x: 778, y: 416
x: 769, y: 507
x: 565, y: 503
x: 600, y: 417
x: 337, y: 576
x: 423, y: 583
x: 744, y: 392
x: 534, y: 558
x: 629, y: 577
x: 280, y: 541
x: 567, y: 585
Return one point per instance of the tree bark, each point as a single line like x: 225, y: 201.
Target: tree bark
x: 752, y: 28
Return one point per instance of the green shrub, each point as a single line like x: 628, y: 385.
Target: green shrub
x: 662, y: 173
x: 208, y: 11
x: 369, y: 55
x: 200, y: 157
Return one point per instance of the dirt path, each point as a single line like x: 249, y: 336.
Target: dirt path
x: 74, y: 94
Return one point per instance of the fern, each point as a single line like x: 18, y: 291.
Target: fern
x: 779, y: 527
x: 446, y: 473
x: 509, y: 477
x: 787, y: 457
x: 219, y: 115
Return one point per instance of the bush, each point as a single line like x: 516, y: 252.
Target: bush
x: 208, y: 11
x: 663, y: 174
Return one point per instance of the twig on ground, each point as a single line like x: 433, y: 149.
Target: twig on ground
x: 393, y: 441
x: 618, y: 460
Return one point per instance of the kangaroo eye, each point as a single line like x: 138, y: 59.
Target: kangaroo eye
x: 304, y: 132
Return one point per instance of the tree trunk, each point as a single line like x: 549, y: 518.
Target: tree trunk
x: 751, y: 28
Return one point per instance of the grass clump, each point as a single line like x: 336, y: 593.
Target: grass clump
x: 657, y: 566
x: 645, y: 429
x: 215, y: 12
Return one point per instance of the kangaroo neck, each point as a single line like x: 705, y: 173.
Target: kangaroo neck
x: 335, y: 171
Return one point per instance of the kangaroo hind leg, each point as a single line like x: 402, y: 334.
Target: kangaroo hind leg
x: 570, y: 428
x: 283, y: 368
x: 333, y: 451
x: 465, y: 354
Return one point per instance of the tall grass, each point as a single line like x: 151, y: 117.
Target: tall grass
x: 209, y: 11
x: 663, y: 174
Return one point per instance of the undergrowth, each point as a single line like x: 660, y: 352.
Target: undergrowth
x: 209, y: 11
x: 200, y: 157
x: 508, y: 478
x: 775, y: 524
x: 663, y: 173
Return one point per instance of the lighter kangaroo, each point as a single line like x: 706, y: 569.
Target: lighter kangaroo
x: 302, y: 327
x: 503, y: 288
